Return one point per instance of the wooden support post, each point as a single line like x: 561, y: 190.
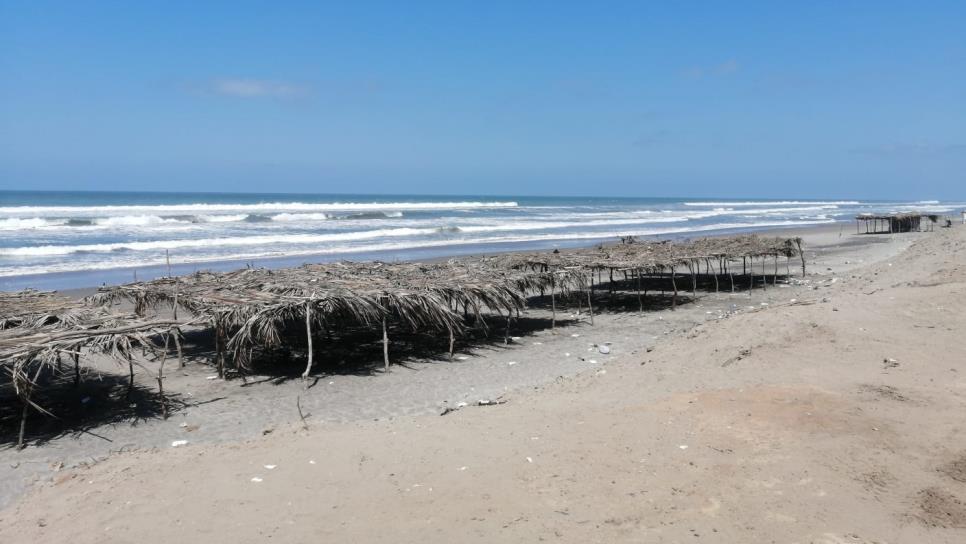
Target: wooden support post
x: 751, y: 277
x: 76, y: 367
x: 553, y: 304
x: 164, y: 357
x: 130, y: 368
x: 640, y: 301
x: 452, y: 342
x: 506, y: 335
x: 219, y: 349
x: 308, y: 336
x: 23, y: 424
x: 674, y: 285
x: 764, y: 278
x: 25, y: 399
x: 694, y: 278
x: 714, y: 273
x: 801, y: 254
x: 177, y: 346
x: 590, y: 304
x: 385, y: 345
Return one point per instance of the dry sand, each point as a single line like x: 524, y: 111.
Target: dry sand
x: 836, y: 418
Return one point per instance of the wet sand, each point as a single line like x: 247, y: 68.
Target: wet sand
x: 737, y: 417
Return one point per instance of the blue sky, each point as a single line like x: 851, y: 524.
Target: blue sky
x: 822, y: 99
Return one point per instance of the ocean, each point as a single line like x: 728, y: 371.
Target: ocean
x: 58, y: 240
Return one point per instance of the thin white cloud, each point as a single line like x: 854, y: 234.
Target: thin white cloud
x: 255, y: 88
x: 725, y: 68
x: 729, y: 66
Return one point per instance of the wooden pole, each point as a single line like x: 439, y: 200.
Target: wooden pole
x: 308, y: 336
x: 590, y: 304
x: 640, y: 301
x: 164, y: 357
x: 674, y: 285
x: 553, y: 304
x: 751, y: 277
x: 385, y: 345
x: 23, y: 424
x: 714, y: 273
x: 219, y: 347
x: 177, y: 346
x: 801, y: 254
x: 506, y: 335
x: 452, y: 342
x: 25, y: 399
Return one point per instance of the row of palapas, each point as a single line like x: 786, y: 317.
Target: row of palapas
x: 252, y: 309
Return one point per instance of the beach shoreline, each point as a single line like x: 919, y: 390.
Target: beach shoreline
x: 823, y: 232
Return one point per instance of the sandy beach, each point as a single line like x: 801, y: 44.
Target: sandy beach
x: 823, y: 410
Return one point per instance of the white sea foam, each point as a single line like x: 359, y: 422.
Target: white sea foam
x: 301, y: 217
x: 134, y: 221
x: 18, y: 223
x: 229, y: 218
x: 167, y: 209
x: 776, y: 203
x: 211, y: 242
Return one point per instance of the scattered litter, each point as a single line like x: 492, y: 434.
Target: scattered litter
x: 461, y: 357
x: 511, y: 363
x: 177, y: 443
x: 185, y: 424
x: 256, y: 479
x: 211, y: 377
x: 487, y: 402
x: 463, y: 468
x: 683, y: 446
x: 515, y: 338
x: 312, y: 461
x: 85, y: 400
x: 889, y: 362
x: 575, y: 335
x: 538, y: 343
x: 566, y: 355
x: 529, y: 459
x: 592, y: 361
x: 603, y: 349
x: 461, y: 404
x: 330, y: 383
x: 270, y: 467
